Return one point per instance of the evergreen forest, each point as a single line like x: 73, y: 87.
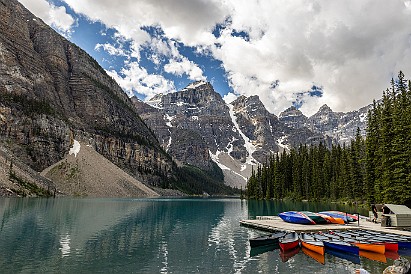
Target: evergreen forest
x: 374, y: 169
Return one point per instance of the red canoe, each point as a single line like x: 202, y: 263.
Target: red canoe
x: 289, y: 241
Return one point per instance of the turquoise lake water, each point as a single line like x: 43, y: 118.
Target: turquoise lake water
x: 82, y: 235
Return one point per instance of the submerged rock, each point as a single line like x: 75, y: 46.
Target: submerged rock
x: 400, y: 266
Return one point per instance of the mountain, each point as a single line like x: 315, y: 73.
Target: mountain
x: 324, y: 121
x: 52, y: 92
x: 198, y: 128
x: 189, y: 123
x: 194, y: 126
x: 261, y: 128
x: 293, y: 118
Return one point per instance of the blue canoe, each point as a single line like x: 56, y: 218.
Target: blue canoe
x: 342, y: 246
x: 296, y: 217
x: 337, y: 245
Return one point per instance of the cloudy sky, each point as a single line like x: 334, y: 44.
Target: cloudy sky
x: 289, y: 52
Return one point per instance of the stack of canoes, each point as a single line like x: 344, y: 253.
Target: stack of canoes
x: 404, y: 242
x: 346, y: 217
x: 349, y: 244
x: 308, y: 217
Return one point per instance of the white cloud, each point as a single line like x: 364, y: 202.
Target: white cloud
x: 184, y: 66
x: 351, y: 48
x: 189, y: 21
x: 111, y: 49
x: 52, y: 15
x: 135, y: 79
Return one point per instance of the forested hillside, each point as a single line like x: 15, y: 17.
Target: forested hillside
x: 374, y: 169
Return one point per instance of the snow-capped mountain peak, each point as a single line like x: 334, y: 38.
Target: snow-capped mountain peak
x: 196, y: 126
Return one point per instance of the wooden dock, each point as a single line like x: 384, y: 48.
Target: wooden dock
x: 274, y: 223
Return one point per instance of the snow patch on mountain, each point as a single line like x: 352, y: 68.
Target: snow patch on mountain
x: 271, y: 127
x: 169, y: 142
x: 169, y: 120
x: 195, y: 85
x: 75, y: 149
x: 180, y: 103
x: 234, y: 174
x: 363, y: 117
x: 155, y: 102
x: 214, y: 157
x: 247, y: 143
x: 280, y: 143
x: 230, y: 145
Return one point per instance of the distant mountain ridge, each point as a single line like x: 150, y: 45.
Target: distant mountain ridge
x: 196, y: 127
x: 341, y: 127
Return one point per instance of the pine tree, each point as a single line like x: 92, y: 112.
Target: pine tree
x: 385, y: 150
x: 399, y: 164
x: 371, y: 143
x: 356, y: 167
x: 297, y: 174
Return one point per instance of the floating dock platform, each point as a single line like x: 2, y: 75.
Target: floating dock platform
x: 274, y: 223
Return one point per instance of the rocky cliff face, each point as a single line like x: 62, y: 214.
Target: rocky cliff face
x: 293, y: 118
x: 191, y: 124
x: 324, y: 121
x: 349, y: 123
x: 52, y: 91
x: 18, y: 179
x: 262, y: 128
